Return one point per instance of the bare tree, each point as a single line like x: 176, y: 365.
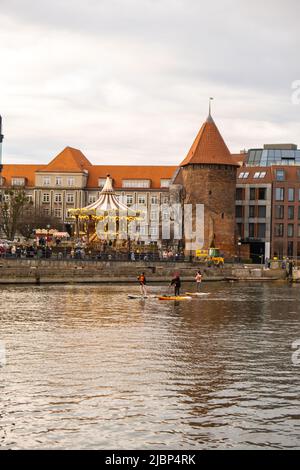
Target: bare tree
x: 33, y: 219
x: 13, y: 205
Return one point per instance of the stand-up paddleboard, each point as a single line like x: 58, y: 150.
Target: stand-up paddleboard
x: 132, y: 296
x: 197, y: 294
x: 173, y: 297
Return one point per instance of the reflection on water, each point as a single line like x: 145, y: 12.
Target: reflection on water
x: 88, y: 368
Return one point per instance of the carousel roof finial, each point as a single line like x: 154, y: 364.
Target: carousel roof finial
x: 108, y: 187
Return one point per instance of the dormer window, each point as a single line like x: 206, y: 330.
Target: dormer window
x: 18, y: 181
x: 101, y: 182
x: 244, y: 175
x: 136, y: 183
x: 165, y: 183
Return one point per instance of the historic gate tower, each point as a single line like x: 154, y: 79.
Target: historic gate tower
x: 208, y: 175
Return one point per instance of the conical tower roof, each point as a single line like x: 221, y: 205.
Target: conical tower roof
x: 209, y: 147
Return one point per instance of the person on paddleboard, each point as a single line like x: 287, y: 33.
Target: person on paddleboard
x: 176, y: 282
x: 198, y: 279
x: 142, y: 281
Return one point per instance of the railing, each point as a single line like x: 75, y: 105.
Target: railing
x: 63, y: 256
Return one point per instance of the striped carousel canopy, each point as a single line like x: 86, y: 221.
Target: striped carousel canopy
x: 107, y: 203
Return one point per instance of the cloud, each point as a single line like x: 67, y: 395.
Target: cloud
x: 128, y: 81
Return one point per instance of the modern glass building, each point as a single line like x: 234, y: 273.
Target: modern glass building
x: 274, y: 155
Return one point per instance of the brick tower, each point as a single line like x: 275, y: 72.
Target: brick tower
x: 208, y: 175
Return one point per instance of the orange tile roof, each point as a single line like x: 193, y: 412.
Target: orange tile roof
x: 252, y: 170
x: 70, y: 160
x: 239, y: 158
x: 209, y: 147
x: 22, y: 171
x: 121, y: 172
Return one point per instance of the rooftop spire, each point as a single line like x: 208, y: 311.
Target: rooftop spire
x: 209, y: 118
x: 208, y: 146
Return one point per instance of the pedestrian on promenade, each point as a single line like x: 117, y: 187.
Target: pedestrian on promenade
x: 198, y: 279
x: 142, y: 281
x: 176, y: 282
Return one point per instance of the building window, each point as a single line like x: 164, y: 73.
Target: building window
x: 290, y: 249
x: 129, y: 199
x: 57, y: 213
x: 71, y: 181
x: 165, y: 183
x: 136, y: 183
x: 70, y: 198
x: 290, y: 230
x: 58, y: 181
x: 239, y: 194
x: 92, y: 198
x: 259, y: 174
x: 239, y: 211
x: 251, y: 212
x: 101, y: 182
x: 262, y: 212
x: 154, y: 231
x: 165, y: 200
x: 18, y: 181
x: 279, y: 212
x: 46, y: 212
x: 244, y: 175
x: 251, y: 231
x: 46, y: 197
x: 154, y: 200
x: 143, y: 230
x: 261, y: 230
x: 291, y: 194
x: 154, y: 215
x: 262, y: 194
x: 291, y: 212
x: 46, y: 180
x: 141, y: 200
x: 279, y: 174
x: 252, y: 194
x: 279, y: 194
x: 279, y: 230
x: 57, y: 197
x: 29, y: 198
x: 240, y: 230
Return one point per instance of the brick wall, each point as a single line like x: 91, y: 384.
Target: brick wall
x: 214, y: 186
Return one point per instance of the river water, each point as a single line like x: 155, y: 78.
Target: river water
x: 88, y: 368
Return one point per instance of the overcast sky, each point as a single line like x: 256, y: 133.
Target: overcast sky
x: 128, y: 81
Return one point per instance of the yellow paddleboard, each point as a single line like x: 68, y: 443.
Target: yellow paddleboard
x: 180, y: 297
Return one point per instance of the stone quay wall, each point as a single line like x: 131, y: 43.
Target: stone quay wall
x: 33, y: 271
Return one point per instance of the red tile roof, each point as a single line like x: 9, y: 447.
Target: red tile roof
x: 69, y: 160
x: 209, y: 147
x: 121, y: 172
x: 22, y: 171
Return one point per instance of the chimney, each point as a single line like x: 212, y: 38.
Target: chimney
x: 1, y: 140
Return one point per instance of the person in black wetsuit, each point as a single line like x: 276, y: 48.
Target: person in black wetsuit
x: 176, y: 282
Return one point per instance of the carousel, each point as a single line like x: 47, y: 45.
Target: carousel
x: 107, y: 223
